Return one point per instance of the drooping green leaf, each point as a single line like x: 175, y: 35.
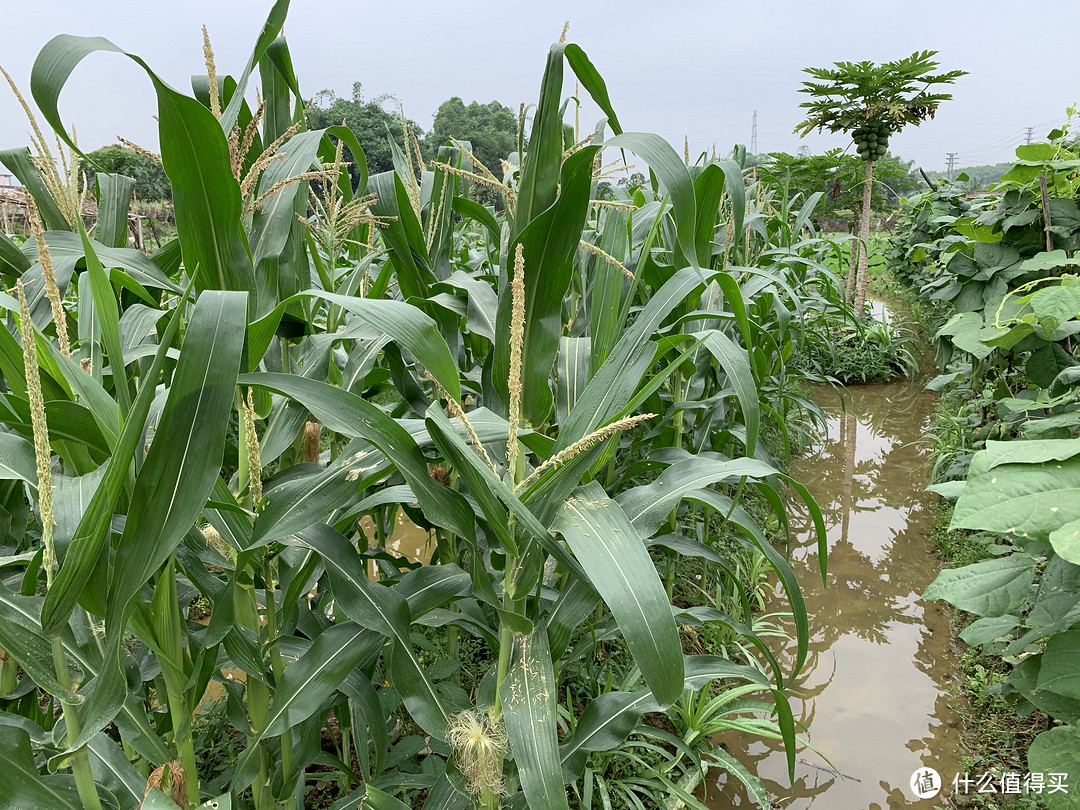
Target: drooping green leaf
x: 1057, y: 751
x: 1028, y: 500
x: 618, y: 565
x: 86, y: 543
x: 650, y: 505
x: 530, y: 701
x: 988, y: 588
x: 195, y: 154
x: 316, y: 674
x: 350, y: 415
x: 385, y: 611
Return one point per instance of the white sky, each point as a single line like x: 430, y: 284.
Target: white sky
x: 698, y: 69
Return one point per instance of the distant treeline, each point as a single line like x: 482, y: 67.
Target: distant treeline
x: 980, y: 178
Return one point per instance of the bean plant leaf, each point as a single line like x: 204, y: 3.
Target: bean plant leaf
x: 989, y: 588
x: 1026, y: 501
x: 1057, y: 751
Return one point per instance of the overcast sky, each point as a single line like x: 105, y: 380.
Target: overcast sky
x: 698, y: 69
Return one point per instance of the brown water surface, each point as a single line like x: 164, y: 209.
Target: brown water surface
x: 873, y: 693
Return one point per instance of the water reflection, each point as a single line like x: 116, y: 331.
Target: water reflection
x: 873, y: 691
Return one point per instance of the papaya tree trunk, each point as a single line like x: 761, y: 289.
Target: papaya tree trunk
x: 853, y: 259
x: 864, y: 237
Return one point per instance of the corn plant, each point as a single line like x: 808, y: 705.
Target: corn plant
x: 535, y: 389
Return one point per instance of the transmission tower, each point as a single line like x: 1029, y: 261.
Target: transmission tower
x: 950, y: 164
x: 1030, y: 133
x: 753, y: 136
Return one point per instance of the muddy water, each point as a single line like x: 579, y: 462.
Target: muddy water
x: 874, y: 691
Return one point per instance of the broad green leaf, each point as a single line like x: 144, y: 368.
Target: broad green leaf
x: 592, y: 81
x: 108, y: 319
x: 298, y: 503
x: 673, y: 174
x: 12, y: 260
x: 735, y: 362
x: 539, y: 183
x: 68, y: 249
x: 618, y: 565
x: 494, y: 496
x: 574, y: 360
x: 1030, y: 452
x: 649, y: 506
x: 607, y: 721
x: 300, y: 692
x: 403, y: 234
x: 1059, y: 673
x: 22, y: 166
x: 988, y: 588
x: 1057, y: 751
x: 989, y: 629
x: 406, y: 324
x: 1055, y: 305
x: 17, y: 459
x: 967, y: 331
x: 26, y: 646
x: 612, y: 387
x: 113, y: 199
x: 549, y: 243
x: 530, y: 712
x: 179, y: 471
x: 114, y: 771
x: 1066, y: 541
x: 708, y: 191
x: 1027, y: 501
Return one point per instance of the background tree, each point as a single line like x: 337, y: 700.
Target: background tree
x: 369, y: 121
x: 871, y: 102
x: 839, y: 177
x: 491, y: 129
x: 151, y: 184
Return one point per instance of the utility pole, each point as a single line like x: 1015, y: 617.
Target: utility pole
x: 951, y: 163
x: 1030, y: 132
x: 753, y: 136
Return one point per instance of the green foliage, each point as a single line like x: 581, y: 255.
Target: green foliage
x: 1006, y: 271
x: 490, y: 130
x: 839, y: 177
x: 151, y: 183
x: 924, y: 232
x: 885, y: 97
x: 565, y: 411
x: 369, y: 120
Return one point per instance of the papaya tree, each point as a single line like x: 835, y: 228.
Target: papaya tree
x: 872, y: 102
